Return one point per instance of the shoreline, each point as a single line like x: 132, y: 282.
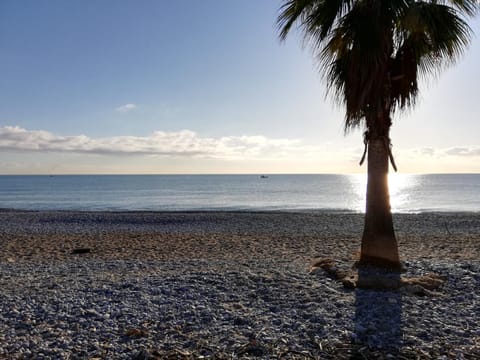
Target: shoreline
x: 240, y: 210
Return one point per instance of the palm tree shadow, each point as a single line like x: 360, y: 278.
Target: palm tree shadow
x: 378, y: 318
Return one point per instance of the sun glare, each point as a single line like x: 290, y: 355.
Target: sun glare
x: 397, y: 184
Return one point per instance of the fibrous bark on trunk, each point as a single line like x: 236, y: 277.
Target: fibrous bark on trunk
x: 379, y: 245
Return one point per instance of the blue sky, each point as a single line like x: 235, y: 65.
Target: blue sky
x: 196, y: 87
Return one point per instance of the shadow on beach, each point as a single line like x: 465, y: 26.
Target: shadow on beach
x: 377, y: 321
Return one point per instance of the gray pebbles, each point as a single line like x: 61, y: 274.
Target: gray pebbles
x: 81, y: 307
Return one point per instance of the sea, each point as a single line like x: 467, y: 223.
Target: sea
x: 343, y: 193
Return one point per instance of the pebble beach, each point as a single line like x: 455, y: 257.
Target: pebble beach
x: 227, y: 285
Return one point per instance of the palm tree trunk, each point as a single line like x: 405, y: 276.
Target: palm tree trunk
x: 379, y: 245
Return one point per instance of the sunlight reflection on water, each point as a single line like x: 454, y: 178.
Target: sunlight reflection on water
x: 400, y: 186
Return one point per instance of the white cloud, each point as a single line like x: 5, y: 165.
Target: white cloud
x: 126, y: 108
x: 439, y: 153
x: 186, y: 151
x: 427, y: 151
x: 177, y: 143
x: 464, y: 151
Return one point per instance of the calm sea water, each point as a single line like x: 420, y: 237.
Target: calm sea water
x: 409, y: 193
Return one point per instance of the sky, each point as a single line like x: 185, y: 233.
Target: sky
x: 187, y: 86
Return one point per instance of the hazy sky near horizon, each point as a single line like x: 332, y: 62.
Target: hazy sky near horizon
x: 188, y: 86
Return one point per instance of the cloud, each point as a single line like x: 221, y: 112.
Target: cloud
x: 464, y: 151
x: 188, y: 144
x: 126, y: 108
x: 177, y: 143
x: 439, y: 153
x: 428, y: 151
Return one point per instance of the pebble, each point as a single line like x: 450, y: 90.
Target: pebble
x: 264, y: 307
x: 199, y: 306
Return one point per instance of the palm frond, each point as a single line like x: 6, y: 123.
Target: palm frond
x: 441, y: 35
x: 315, y: 17
x: 372, y: 52
x: 291, y: 12
x: 355, y: 60
x: 468, y: 7
x: 319, y: 22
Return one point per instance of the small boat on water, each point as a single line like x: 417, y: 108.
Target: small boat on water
x: 263, y: 176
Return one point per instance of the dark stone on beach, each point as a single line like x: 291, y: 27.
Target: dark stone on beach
x: 81, y: 251
x: 241, y: 321
x: 254, y: 349
x: 142, y: 355
x: 136, y: 333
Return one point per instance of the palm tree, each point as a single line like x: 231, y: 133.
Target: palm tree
x: 372, y: 54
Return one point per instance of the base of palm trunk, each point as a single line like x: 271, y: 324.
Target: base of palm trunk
x: 375, y: 278
x: 380, y: 250
x: 380, y: 262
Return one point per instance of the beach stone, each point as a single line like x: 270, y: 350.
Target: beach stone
x: 136, y: 333
x: 81, y: 251
x: 142, y: 355
x: 253, y: 348
x: 188, y: 297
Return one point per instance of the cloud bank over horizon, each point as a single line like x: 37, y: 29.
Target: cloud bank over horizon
x: 185, y: 151
x: 176, y: 143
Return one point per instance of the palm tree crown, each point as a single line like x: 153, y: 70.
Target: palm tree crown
x: 373, y: 51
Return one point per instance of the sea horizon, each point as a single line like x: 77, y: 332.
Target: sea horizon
x: 250, y: 173
x: 410, y: 193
